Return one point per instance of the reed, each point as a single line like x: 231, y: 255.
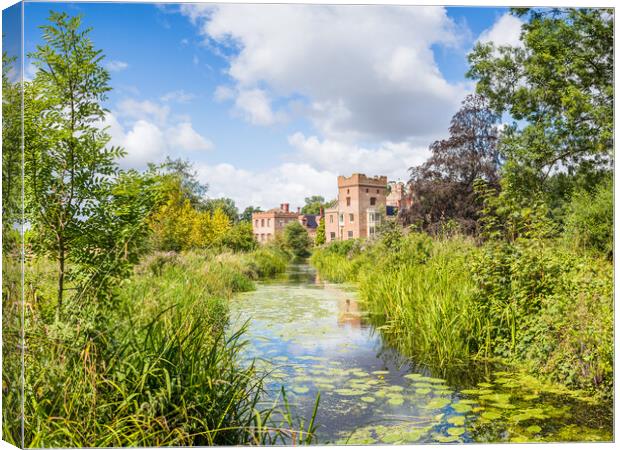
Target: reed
x: 157, y: 367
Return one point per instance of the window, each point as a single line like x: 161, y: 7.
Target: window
x: 256, y: 222
x: 331, y: 219
x: 351, y: 217
x: 262, y: 237
x: 371, y: 231
x: 367, y: 190
x: 373, y: 201
x: 347, y: 191
x: 341, y: 219
x: 332, y: 235
x: 348, y: 201
x: 350, y: 234
x: 268, y: 222
x: 262, y: 222
x: 377, y: 191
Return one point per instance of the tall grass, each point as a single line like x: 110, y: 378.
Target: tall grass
x: 448, y: 302
x: 427, y: 308
x: 155, y: 368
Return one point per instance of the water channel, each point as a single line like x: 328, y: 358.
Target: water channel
x: 312, y: 337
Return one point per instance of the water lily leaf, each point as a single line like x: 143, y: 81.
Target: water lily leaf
x: 461, y: 407
x: 396, y: 401
x: 491, y: 415
x: 368, y: 399
x: 456, y: 431
x: 503, y: 405
x: 423, y: 391
x: 395, y: 388
x: 381, y: 372
x: 485, y: 385
x: 301, y: 389
x: 445, y: 439
x: 497, y: 398
x: 437, y: 403
x: 413, y: 376
x: 533, y: 429
x: 477, y: 391
x: 457, y: 420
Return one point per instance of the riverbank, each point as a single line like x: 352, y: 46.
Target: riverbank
x: 152, y: 364
x: 532, y: 304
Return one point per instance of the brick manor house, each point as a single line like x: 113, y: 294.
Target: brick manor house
x: 363, y: 202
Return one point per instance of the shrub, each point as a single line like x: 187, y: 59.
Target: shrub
x: 296, y: 240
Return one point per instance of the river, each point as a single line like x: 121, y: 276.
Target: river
x: 311, y: 337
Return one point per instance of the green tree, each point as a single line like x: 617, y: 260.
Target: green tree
x: 69, y: 167
x: 227, y: 205
x: 320, y: 232
x: 296, y: 239
x: 314, y: 205
x: 182, y: 170
x: 240, y: 237
x: 246, y: 215
x: 558, y: 90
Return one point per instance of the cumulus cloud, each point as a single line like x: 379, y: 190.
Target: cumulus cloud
x: 389, y: 158
x: 285, y: 183
x: 116, y: 66
x: 505, y: 31
x: 145, y: 131
x: 365, y: 71
x: 179, y: 96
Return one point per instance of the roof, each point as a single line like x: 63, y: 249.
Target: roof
x: 310, y: 220
x: 391, y: 210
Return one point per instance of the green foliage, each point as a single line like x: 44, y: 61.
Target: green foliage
x: 558, y: 89
x: 240, y: 237
x: 68, y: 167
x: 226, y: 205
x: 158, y: 370
x: 320, y: 232
x: 296, y: 239
x: 590, y: 221
x: 246, y: 215
x: 314, y: 205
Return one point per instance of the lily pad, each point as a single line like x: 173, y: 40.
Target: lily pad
x: 437, y: 403
x: 396, y: 401
x: 301, y: 389
x: 456, y: 431
x: 368, y: 399
x: 491, y: 415
x: 423, y: 391
x: 457, y: 420
x: 461, y: 407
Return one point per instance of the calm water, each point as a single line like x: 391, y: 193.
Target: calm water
x: 311, y: 337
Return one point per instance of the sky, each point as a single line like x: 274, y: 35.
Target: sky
x: 272, y: 102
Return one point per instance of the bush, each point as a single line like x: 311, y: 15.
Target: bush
x: 296, y: 240
x: 590, y: 221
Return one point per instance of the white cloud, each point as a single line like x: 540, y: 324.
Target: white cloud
x: 223, y: 93
x: 134, y: 109
x: 286, y: 183
x: 254, y: 105
x: 505, y: 31
x: 184, y: 137
x: 147, y: 134
x: 116, y: 66
x: 389, y: 158
x: 366, y: 71
x: 179, y: 96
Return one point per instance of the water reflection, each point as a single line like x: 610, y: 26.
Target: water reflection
x: 313, y: 337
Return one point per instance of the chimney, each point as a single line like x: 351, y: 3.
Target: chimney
x: 285, y: 207
x: 321, y: 213
x: 298, y: 210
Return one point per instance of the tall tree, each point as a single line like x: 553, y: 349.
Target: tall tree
x: 68, y: 166
x: 226, y: 205
x: 246, y: 215
x: 558, y: 90
x: 443, y: 187
x: 314, y: 204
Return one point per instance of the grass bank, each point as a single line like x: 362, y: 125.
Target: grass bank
x: 532, y: 303
x: 152, y: 366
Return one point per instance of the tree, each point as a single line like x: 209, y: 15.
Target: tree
x: 68, y: 167
x: 320, y: 232
x: 314, y: 205
x: 443, y: 187
x: 226, y: 205
x: 246, y: 215
x: 296, y: 239
x: 182, y: 170
x: 240, y: 237
x: 558, y: 90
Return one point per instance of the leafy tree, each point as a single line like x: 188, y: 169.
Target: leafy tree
x: 240, y: 237
x: 11, y: 155
x: 558, y: 90
x: 226, y: 205
x: 320, y: 232
x: 182, y: 170
x: 296, y: 239
x: 68, y: 167
x: 443, y: 187
x: 314, y: 205
x: 246, y: 215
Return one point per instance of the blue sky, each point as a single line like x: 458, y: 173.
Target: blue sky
x: 272, y: 102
